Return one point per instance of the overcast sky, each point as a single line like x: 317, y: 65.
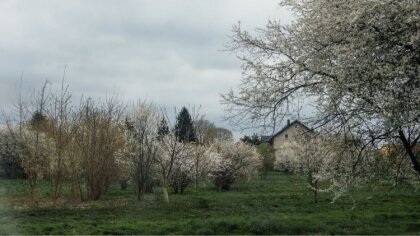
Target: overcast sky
x: 168, y: 51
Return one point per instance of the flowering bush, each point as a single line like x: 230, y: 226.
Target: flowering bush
x: 231, y: 161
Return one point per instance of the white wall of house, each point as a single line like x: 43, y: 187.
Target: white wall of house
x: 292, y: 132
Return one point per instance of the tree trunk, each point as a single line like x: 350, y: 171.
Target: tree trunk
x: 165, y: 194
x: 139, y: 194
x: 141, y: 189
x: 196, y: 173
x: 32, y: 186
x: 165, y: 187
x: 76, y: 191
x: 315, y: 191
x: 56, y: 194
x: 409, y: 151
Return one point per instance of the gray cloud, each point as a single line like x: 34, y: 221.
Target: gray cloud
x: 165, y: 51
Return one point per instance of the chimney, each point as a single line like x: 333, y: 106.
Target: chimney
x: 288, y: 122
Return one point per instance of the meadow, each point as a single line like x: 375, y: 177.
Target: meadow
x: 278, y: 204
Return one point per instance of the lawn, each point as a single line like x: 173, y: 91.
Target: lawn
x: 279, y: 204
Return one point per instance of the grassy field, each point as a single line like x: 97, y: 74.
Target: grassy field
x: 278, y: 205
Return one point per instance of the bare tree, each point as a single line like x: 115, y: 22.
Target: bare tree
x: 99, y: 138
x: 59, y: 129
x: 74, y: 155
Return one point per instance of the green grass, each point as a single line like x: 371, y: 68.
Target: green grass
x: 278, y: 205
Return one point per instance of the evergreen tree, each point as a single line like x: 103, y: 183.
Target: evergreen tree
x: 184, y: 130
x: 37, y: 119
x: 163, y: 127
x: 253, y: 140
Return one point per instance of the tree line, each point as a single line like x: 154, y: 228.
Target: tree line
x: 97, y: 142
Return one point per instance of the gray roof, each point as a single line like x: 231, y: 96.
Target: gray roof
x: 265, y: 139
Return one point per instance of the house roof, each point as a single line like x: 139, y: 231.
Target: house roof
x: 270, y: 137
x: 265, y: 138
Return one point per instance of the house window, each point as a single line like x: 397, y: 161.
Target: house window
x: 286, y: 136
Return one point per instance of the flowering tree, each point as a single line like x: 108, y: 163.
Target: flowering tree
x: 357, y: 60
x: 182, y: 173
x: 141, y: 146
x: 34, y: 149
x: 201, y: 162
x: 342, y: 163
x: 285, y: 157
x: 170, y: 153
x: 29, y: 139
x: 232, y: 161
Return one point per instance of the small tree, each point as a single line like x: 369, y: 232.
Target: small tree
x: 141, y: 147
x: 9, y: 157
x: 310, y: 157
x: 34, y: 148
x: 186, y: 166
x: 99, y: 138
x: 163, y: 127
x: 59, y: 129
x: 170, y: 151
x: 30, y: 140
x: 75, y: 161
x: 201, y: 161
x: 341, y: 162
x: 182, y: 173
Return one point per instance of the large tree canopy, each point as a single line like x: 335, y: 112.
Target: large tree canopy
x: 358, y: 61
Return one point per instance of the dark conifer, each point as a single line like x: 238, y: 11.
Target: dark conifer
x: 184, y: 130
x: 163, y: 127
